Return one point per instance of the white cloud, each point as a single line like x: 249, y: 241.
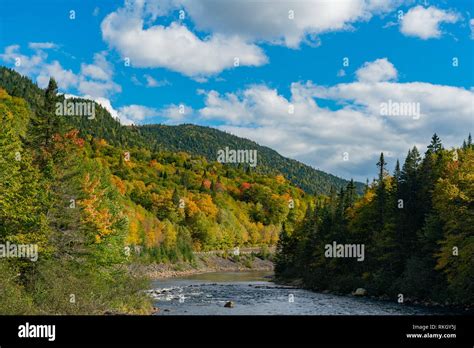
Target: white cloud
x: 37, y: 66
x: 136, y: 113
x: 101, y: 69
x: 175, y: 114
x: 25, y: 65
x: 94, y: 79
x: 377, y: 71
x: 98, y: 88
x: 64, y: 77
x: 260, y: 20
x: 106, y: 104
x: 126, y: 115
x: 234, y: 29
x: 175, y: 47
x: 151, y: 82
x: 42, y: 45
x: 425, y: 22
x: 471, y: 25
x: 319, y: 136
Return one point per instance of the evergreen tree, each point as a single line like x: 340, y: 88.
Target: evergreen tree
x: 381, y: 190
x: 435, y: 146
x: 46, y: 123
x: 350, y: 195
x: 175, y: 198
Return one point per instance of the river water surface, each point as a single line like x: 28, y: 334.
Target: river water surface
x: 252, y: 293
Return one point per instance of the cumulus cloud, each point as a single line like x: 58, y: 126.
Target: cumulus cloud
x: 283, y: 22
x: 234, y: 30
x: 299, y: 127
x: 126, y: 115
x: 101, y: 69
x: 377, y: 71
x: 176, y: 114
x: 139, y: 114
x: 136, y: 113
x: 425, y: 22
x: 26, y: 65
x: 175, y: 47
x: 64, y: 77
x: 95, y: 79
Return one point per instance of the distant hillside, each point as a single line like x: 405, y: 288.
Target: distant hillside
x: 206, y: 141
x: 197, y: 140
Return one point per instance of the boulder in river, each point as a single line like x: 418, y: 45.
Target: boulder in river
x: 229, y: 304
x: 360, y: 292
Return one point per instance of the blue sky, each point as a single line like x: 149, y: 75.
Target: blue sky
x: 290, y: 56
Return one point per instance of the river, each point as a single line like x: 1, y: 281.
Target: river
x: 252, y: 293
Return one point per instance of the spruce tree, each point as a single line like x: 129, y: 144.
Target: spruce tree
x: 381, y: 190
x: 435, y: 146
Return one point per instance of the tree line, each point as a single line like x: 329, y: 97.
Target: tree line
x: 92, y: 206
x: 417, y: 226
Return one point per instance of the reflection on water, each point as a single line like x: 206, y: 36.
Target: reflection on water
x: 252, y: 293
x: 232, y: 277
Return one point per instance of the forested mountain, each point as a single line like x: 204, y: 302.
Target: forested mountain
x: 207, y: 141
x: 416, y: 225
x: 91, y: 206
x: 197, y: 140
x: 94, y: 196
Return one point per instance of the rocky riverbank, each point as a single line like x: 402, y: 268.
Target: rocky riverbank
x: 361, y: 292
x: 203, y: 263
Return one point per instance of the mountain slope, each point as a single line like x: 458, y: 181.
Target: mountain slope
x: 91, y: 209
x: 197, y: 140
x: 206, y: 141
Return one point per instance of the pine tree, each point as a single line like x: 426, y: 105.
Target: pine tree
x: 397, y: 174
x: 350, y: 195
x: 412, y: 213
x: 46, y: 123
x: 435, y: 145
x: 381, y: 190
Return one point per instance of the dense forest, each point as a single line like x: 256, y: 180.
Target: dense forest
x: 95, y: 196
x: 416, y: 225
x: 193, y: 139
x: 204, y: 141
x: 92, y: 206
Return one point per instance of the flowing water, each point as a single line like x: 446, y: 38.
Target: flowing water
x: 252, y: 293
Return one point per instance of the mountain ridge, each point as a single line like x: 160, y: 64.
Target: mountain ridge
x: 183, y: 138
x: 180, y: 138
